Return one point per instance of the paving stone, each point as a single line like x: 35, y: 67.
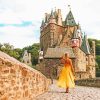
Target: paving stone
x: 78, y: 93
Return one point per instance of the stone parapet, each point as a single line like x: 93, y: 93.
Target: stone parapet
x: 93, y: 82
x: 19, y: 81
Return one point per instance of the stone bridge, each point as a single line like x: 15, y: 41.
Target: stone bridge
x: 19, y: 81
x: 78, y: 93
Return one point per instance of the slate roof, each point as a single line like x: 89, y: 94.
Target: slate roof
x: 85, y: 45
x: 42, y: 24
x: 58, y: 52
x: 70, y: 19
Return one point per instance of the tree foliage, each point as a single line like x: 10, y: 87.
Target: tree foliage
x: 34, y: 52
x: 9, y: 49
x: 33, y: 49
x: 97, y: 42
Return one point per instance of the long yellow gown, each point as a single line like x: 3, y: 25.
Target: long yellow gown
x: 66, y: 77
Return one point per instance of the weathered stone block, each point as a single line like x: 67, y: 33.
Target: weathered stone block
x: 19, y: 81
x: 24, y: 72
x: 12, y: 71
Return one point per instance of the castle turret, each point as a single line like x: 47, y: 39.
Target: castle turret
x: 56, y: 13
x: 52, y: 18
x: 40, y: 56
x: 75, y: 40
x: 59, y: 22
x: 27, y: 58
x: 70, y: 19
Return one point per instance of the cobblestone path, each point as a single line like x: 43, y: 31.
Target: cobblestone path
x: 78, y: 93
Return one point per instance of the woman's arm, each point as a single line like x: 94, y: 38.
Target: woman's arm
x: 73, y: 71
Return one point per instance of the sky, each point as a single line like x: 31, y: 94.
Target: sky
x: 20, y: 20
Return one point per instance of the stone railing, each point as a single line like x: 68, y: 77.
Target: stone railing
x: 93, y: 82
x: 19, y: 81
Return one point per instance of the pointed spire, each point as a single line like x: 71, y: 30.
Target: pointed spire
x: 52, y: 17
x: 52, y: 14
x: 55, y: 13
x: 70, y: 19
x: 46, y: 17
x: 85, y: 45
x: 55, y: 8
x: 42, y: 24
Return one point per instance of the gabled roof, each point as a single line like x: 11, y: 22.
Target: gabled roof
x: 85, y: 45
x: 58, y: 52
x: 70, y: 19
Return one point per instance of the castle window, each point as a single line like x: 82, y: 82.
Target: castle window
x: 86, y: 59
x: 60, y: 37
x: 41, y: 60
x: 80, y: 76
x: 69, y: 36
x: 28, y: 61
x: 52, y: 35
x: 92, y: 68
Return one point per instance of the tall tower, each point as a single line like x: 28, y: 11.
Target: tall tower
x: 75, y: 39
x: 52, y: 18
x: 59, y: 22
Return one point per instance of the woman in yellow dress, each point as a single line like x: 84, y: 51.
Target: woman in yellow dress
x: 66, y: 77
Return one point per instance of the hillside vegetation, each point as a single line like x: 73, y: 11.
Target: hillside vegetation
x: 33, y: 49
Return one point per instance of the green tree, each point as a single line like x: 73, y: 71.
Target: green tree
x: 34, y: 52
x: 9, y: 49
x: 97, y: 42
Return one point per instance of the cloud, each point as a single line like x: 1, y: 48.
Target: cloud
x: 19, y: 37
x: 22, y: 24
x: 20, y: 20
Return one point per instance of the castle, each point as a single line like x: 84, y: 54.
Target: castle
x: 27, y: 58
x: 57, y: 37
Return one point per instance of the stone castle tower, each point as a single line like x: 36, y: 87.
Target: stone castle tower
x: 58, y: 36
x: 27, y: 58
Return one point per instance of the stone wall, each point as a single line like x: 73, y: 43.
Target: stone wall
x: 80, y: 61
x: 93, y: 82
x: 52, y: 67
x: 19, y: 81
